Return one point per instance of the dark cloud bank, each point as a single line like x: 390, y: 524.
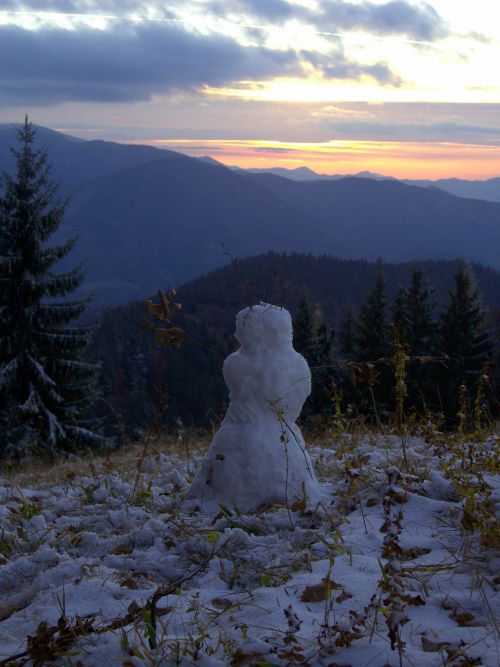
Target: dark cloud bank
x: 52, y: 65
x: 130, y: 63
x: 396, y: 17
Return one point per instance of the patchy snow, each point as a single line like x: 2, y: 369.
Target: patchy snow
x: 84, y: 552
x: 258, y: 455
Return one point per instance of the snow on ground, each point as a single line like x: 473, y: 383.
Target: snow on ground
x: 104, y: 565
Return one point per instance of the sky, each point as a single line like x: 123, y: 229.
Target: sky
x: 405, y: 88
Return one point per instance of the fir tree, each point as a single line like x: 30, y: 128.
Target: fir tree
x: 313, y: 340
x: 347, y: 335
x: 323, y: 340
x: 303, y: 330
x: 413, y: 317
x: 371, y: 342
x: 371, y: 335
x: 463, y: 337
x: 400, y: 317
x: 45, y: 387
x: 346, y: 353
x: 322, y: 369
x: 303, y: 342
x: 420, y: 315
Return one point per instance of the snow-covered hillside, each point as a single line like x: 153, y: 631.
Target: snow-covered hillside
x: 107, y: 563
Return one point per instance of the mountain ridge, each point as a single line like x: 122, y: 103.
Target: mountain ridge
x: 149, y: 218
x: 486, y: 190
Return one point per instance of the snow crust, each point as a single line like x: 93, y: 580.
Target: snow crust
x: 246, y: 587
x: 258, y: 456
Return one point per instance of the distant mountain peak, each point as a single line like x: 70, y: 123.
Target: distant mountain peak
x: 296, y: 174
x: 373, y: 175
x: 210, y: 160
x: 306, y: 174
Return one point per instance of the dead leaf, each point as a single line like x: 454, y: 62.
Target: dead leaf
x: 416, y: 600
x: 171, y: 336
x: 430, y: 647
x: 222, y: 603
x: 239, y: 657
x: 133, y: 608
x: 398, y: 496
x: 298, y: 505
x: 122, y: 549
x: 457, y: 653
x: 414, y: 552
x: 462, y: 618
x: 128, y: 582
x: 468, y: 521
x: 343, y: 597
x: 319, y: 592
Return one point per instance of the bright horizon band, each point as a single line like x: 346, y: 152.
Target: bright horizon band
x: 410, y: 159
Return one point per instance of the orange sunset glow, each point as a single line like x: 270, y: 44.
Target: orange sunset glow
x: 399, y: 159
x: 404, y: 88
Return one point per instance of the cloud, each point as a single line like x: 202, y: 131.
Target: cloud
x: 336, y: 66
x: 270, y: 10
x: 135, y: 62
x: 81, y: 6
x: 439, y: 131
x: 271, y: 149
x: 126, y: 63
x: 420, y: 22
x: 343, y: 112
x: 396, y: 17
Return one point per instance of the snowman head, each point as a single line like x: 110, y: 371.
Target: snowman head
x: 263, y: 326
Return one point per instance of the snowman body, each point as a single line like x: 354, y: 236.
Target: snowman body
x: 258, y: 456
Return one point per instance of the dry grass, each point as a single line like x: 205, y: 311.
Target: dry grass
x: 126, y: 460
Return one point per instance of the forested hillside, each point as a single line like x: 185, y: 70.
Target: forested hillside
x: 392, y: 220
x: 143, y: 381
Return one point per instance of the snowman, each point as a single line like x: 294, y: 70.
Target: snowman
x: 258, y: 455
